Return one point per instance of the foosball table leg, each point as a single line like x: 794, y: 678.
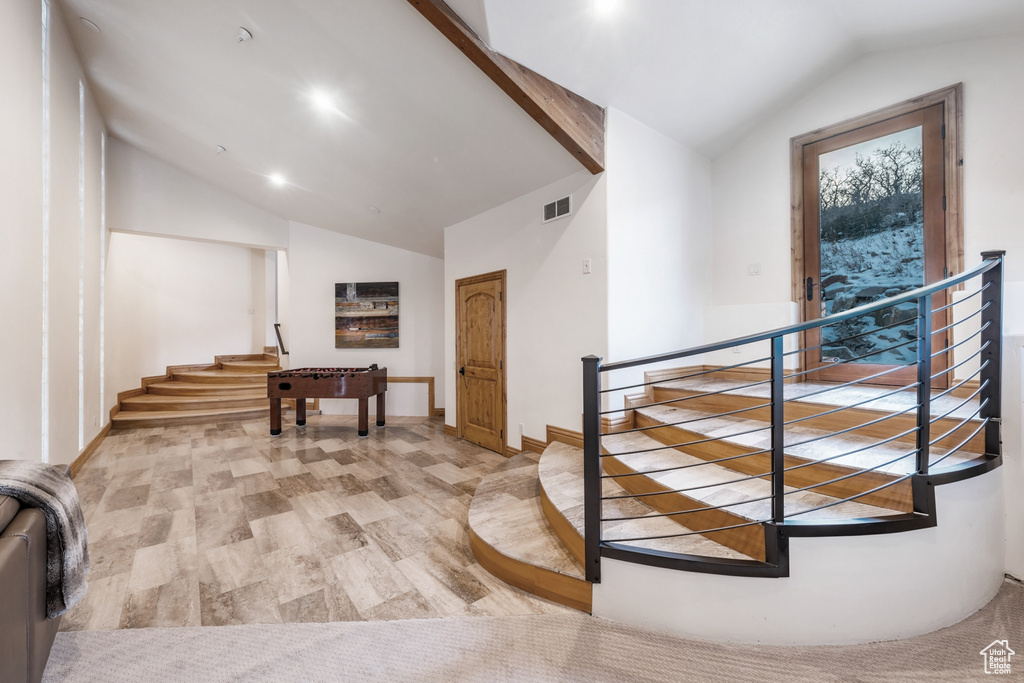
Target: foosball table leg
x: 300, y: 412
x: 275, y: 416
x: 364, y: 416
x: 380, y: 409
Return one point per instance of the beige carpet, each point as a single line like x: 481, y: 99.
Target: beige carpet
x: 555, y: 647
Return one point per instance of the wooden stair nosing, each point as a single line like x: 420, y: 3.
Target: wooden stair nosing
x: 546, y: 583
x: 855, y: 419
x: 898, y: 497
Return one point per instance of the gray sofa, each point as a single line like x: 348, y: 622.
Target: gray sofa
x: 26, y: 635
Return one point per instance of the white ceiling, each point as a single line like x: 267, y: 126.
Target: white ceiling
x: 422, y: 134
x: 702, y: 71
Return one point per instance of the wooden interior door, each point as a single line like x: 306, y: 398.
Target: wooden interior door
x: 480, y: 359
x: 873, y: 227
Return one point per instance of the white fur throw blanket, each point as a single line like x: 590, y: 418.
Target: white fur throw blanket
x: 50, y: 490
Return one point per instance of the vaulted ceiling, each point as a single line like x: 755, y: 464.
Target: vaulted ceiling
x: 416, y: 130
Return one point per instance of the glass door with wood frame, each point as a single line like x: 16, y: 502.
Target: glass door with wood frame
x: 873, y: 228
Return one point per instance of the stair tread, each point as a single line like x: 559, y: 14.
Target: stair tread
x: 895, y: 458
x: 561, y: 476
x: 838, y: 396
x: 514, y: 525
x: 720, y: 485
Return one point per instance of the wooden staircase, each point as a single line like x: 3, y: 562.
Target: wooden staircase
x: 232, y: 388
x: 517, y: 542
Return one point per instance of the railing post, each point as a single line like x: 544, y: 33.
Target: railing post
x: 778, y: 433
x: 592, y: 466
x: 924, y: 382
x: 993, y: 337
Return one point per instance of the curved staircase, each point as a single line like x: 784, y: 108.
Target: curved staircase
x: 688, y: 504
x: 231, y: 388
x: 652, y: 483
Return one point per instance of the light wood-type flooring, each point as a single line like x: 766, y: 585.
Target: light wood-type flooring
x: 224, y: 524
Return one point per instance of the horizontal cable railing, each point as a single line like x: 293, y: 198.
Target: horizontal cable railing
x: 826, y: 431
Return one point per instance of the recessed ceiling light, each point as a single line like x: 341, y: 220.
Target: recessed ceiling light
x: 221, y: 149
x: 89, y: 24
x: 278, y: 179
x: 373, y: 209
x: 323, y: 101
x: 605, y: 8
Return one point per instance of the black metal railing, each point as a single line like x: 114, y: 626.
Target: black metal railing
x: 861, y: 454
x: 280, y: 339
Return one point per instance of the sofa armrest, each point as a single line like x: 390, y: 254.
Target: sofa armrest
x: 23, y: 561
x: 8, y: 508
x: 14, y: 615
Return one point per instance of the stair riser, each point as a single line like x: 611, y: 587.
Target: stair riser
x: 239, y: 378
x: 895, y: 497
x: 565, y: 531
x: 136, y: 419
x: 245, y: 358
x: 250, y: 368
x: 565, y: 590
x: 206, y: 404
x: 851, y: 418
x: 748, y: 540
x: 177, y: 389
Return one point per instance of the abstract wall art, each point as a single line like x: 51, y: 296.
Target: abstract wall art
x: 366, y: 315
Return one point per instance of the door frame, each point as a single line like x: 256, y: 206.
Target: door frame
x: 952, y: 100
x: 502, y: 277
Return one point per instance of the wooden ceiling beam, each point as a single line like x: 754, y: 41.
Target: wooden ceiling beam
x: 575, y: 122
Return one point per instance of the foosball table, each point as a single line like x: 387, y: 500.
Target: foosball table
x: 303, y: 383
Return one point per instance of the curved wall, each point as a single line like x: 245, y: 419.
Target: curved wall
x: 841, y: 590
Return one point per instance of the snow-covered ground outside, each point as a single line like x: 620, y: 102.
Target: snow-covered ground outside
x: 858, y: 271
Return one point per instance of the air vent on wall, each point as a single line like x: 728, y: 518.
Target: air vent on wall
x: 558, y: 209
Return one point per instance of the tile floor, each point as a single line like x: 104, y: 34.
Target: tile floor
x: 224, y: 524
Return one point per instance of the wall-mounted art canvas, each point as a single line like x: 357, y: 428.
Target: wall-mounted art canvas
x: 366, y: 315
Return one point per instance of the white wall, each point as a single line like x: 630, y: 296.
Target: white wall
x: 1013, y: 463
x: 74, y: 231
x: 317, y: 260
x: 21, y: 226
x: 51, y: 401
x: 149, y: 196
x: 751, y: 181
x: 751, y: 184
x: 187, y: 270
x: 555, y: 314
x: 659, y: 238
x: 841, y: 590
x: 174, y: 302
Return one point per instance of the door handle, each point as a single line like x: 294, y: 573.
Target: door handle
x: 462, y: 371
x: 810, y: 288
